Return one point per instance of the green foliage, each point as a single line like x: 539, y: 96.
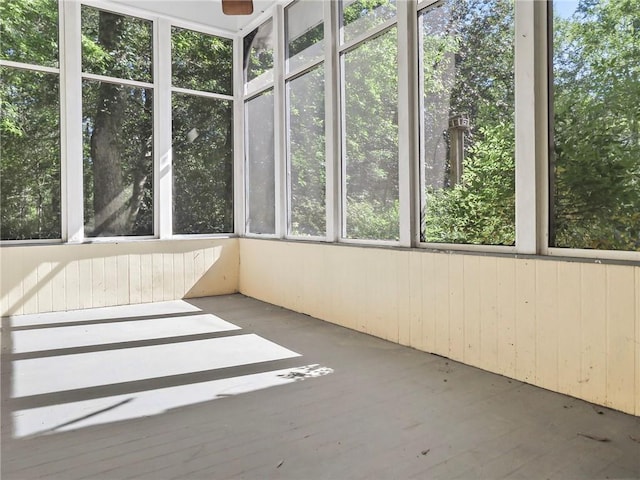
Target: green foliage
x: 468, y: 72
x: 260, y: 154
x: 117, y: 125
x: 307, y: 40
x: 596, y: 198
x: 29, y: 31
x: 29, y: 155
x: 118, y: 159
x: 468, y: 67
x: 373, y: 221
x: 30, y: 122
x: 481, y: 209
x: 202, y: 134
x: 116, y: 45
x: 371, y: 138
x: 258, y: 51
x: 362, y: 15
x: 307, y: 153
x: 195, y: 56
x: 202, y: 165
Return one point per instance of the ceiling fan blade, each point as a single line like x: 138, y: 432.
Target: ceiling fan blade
x: 237, y: 7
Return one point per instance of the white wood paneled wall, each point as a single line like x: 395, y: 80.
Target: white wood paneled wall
x: 36, y: 279
x: 571, y: 327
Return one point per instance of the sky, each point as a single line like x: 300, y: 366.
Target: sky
x: 565, y: 8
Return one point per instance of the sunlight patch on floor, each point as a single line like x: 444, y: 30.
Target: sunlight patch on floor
x: 38, y: 376
x: 61, y: 358
x: 38, y: 340
x: 75, y: 415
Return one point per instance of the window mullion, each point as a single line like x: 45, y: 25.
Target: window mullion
x: 238, y: 139
x: 531, y: 184
x: 280, y: 166
x: 332, y: 125
x: 163, y: 168
x: 71, y: 122
x: 407, y: 135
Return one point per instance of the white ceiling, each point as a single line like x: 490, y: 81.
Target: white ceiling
x: 204, y: 12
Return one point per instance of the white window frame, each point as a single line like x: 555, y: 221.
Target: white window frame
x: 532, y: 69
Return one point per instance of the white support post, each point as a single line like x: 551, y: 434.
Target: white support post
x: 407, y: 114
x: 332, y: 124
x: 71, y: 122
x: 279, y: 124
x: 163, y: 169
x: 238, y: 138
x: 531, y: 127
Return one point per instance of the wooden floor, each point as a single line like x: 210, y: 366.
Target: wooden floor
x: 244, y: 389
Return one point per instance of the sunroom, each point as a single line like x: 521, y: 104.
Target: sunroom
x: 457, y: 179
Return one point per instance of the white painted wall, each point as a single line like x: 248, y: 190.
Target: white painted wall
x: 572, y: 327
x: 36, y: 279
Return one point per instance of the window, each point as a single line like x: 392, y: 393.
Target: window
x: 261, y: 201
x: 360, y: 16
x: 258, y: 57
x: 30, y: 196
x: 467, y: 135
x: 596, y: 123
x: 201, y: 62
x: 306, y: 121
x: 370, y: 139
x: 117, y: 96
x: 307, y: 154
x: 305, y: 34
x: 202, y: 108
x: 260, y: 156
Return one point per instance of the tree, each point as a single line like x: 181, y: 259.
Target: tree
x: 596, y: 195
x: 30, y: 122
x: 371, y: 138
x: 202, y: 133
x: 119, y: 125
x: 479, y: 210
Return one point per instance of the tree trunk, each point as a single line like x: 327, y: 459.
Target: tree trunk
x: 108, y: 184
x: 119, y: 178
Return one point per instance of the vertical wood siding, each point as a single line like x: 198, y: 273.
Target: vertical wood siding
x: 571, y: 327
x: 35, y: 279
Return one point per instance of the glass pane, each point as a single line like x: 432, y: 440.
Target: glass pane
x: 258, y: 57
x: 29, y: 155
x: 305, y: 34
x: 468, y: 136
x: 596, y: 125
x: 201, y: 62
x: 116, y: 45
x: 358, y: 16
x: 307, y: 154
x: 29, y: 31
x: 261, y: 197
x: 118, y: 159
x: 371, y: 139
x: 202, y: 165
